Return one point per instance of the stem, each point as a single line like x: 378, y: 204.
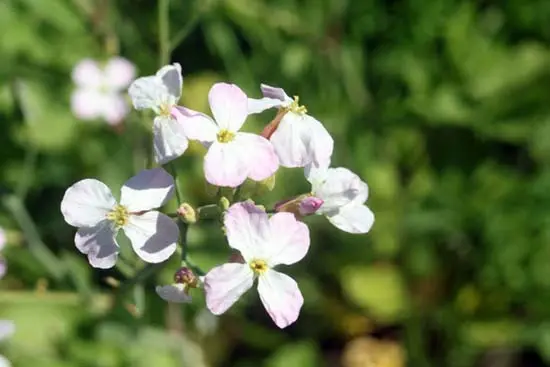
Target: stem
x: 184, y: 32
x: 174, y: 173
x: 164, y: 31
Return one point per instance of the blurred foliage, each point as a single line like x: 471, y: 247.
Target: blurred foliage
x: 442, y: 106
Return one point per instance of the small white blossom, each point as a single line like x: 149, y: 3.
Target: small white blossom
x: 7, y: 328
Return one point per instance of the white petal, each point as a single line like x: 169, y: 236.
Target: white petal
x: 226, y: 164
x: 262, y: 159
x: 340, y: 188
x: 86, y: 203
x: 262, y: 104
x: 229, y: 106
x: 114, y: 108
x: 3, y: 238
x: 153, y: 236
x: 321, y: 143
x: 7, y: 328
x: 353, y: 219
x: 147, y: 92
x: 172, y: 80
x: 87, y: 104
x: 197, y: 125
x: 289, y: 240
x: 169, y: 139
x: 173, y: 293
x: 316, y: 174
x: 281, y: 297
x: 4, y: 362
x: 119, y: 73
x: 225, y: 284
x: 149, y: 189
x: 87, y: 74
x: 248, y: 230
x: 291, y: 141
x: 274, y: 92
x: 99, y: 244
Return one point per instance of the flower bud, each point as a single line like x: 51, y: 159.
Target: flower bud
x: 224, y: 203
x: 302, y: 205
x: 186, y: 277
x: 187, y: 213
x: 309, y: 205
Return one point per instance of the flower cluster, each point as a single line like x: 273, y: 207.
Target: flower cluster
x: 263, y: 239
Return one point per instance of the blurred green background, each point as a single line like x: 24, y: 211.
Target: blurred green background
x: 441, y: 106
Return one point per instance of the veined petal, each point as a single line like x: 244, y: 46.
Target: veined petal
x: 87, y: 74
x: 262, y: 104
x: 87, y: 104
x: 291, y: 141
x: 7, y: 329
x: 275, y: 93
x: 149, y: 189
x: 172, y: 79
x: 353, y: 219
x: 86, y: 203
x: 229, y: 106
x: 169, y: 139
x: 225, y: 284
x: 248, y: 230
x: 119, y: 73
x: 197, y: 125
x: 226, y: 164
x: 281, y: 297
x: 173, y: 293
x: 340, y: 188
x: 99, y: 244
x: 289, y: 240
x: 114, y: 108
x: 262, y: 159
x: 147, y: 92
x: 153, y: 236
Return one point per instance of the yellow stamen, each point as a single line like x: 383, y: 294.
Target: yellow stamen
x: 225, y: 136
x: 295, y: 106
x: 165, y: 110
x: 258, y: 266
x: 119, y: 215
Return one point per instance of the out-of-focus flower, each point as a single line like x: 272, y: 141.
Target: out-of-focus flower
x: 299, y: 139
x: 7, y: 328
x: 178, y: 292
x: 3, y: 240
x: 343, y: 194
x: 161, y: 92
x: 98, y: 89
x: 370, y: 352
x: 264, y: 243
x: 232, y: 155
x: 90, y: 206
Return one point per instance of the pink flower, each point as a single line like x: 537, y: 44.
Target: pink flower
x: 232, y: 155
x: 98, y: 92
x: 264, y: 243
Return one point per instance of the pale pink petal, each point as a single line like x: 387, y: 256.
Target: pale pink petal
x: 248, y: 230
x: 262, y: 159
x: 289, y: 241
x: 262, y: 104
x: 115, y: 108
x: 340, y: 188
x: 149, y: 189
x: 119, y: 73
x: 99, y: 244
x: 229, y: 106
x: 87, y: 74
x: 353, y: 219
x: 87, y: 104
x: 197, y: 125
x: 7, y: 329
x: 169, y: 139
x: 274, y: 92
x: 153, y: 236
x: 225, y: 284
x: 281, y: 297
x: 226, y: 164
x: 86, y: 203
x: 173, y: 293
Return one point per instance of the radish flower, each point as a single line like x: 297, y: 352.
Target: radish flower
x: 90, y: 206
x: 161, y: 92
x: 343, y: 194
x: 299, y: 139
x: 264, y: 243
x: 98, y: 92
x: 7, y: 328
x: 232, y: 155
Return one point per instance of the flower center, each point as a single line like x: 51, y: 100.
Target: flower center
x: 258, y: 266
x: 165, y: 110
x: 295, y: 106
x: 225, y: 136
x: 119, y: 215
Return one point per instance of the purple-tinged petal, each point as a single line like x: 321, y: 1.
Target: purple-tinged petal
x: 247, y: 229
x: 149, y: 189
x: 86, y: 203
x: 229, y: 105
x: 262, y: 159
x: 119, y: 73
x: 225, y: 284
x: 274, y: 93
x: 226, y: 164
x: 197, y: 125
x: 99, y: 244
x: 289, y: 240
x: 281, y: 297
x: 309, y: 205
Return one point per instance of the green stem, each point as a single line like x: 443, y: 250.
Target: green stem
x: 164, y: 31
x: 172, y: 169
x: 184, y: 32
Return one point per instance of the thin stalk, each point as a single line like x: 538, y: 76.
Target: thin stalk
x: 184, y: 32
x: 164, y: 31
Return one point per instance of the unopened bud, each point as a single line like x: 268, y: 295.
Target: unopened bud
x: 309, y: 205
x: 186, y: 276
x: 224, y: 203
x: 187, y: 213
x: 300, y: 206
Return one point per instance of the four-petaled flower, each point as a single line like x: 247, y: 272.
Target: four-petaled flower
x: 98, y: 93
x: 264, y: 243
x: 299, y: 139
x: 232, y: 155
x: 343, y: 194
x: 7, y: 328
x: 90, y: 206
x: 161, y: 92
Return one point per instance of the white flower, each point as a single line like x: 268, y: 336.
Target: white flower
x: 98, y: 92
x: 264, y: 243
x: 7, y: 328
x: 343, y: 194
x: 299, y: 139
x: 90, y: 206
x: 161, y: 92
